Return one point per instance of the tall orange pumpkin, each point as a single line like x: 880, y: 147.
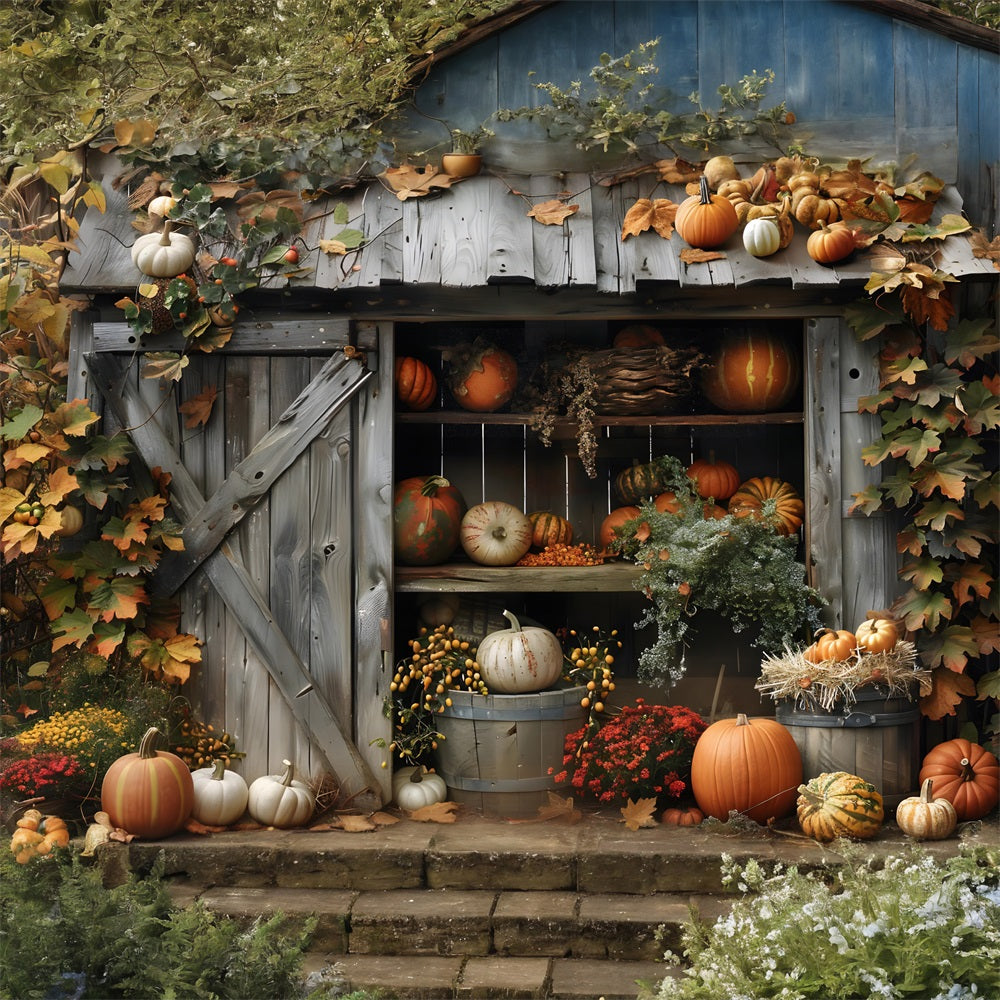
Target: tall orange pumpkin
x: 752, y: 766
x: 149, y: 793
x: 752, y: 372
x: 416, y: 385
x: 706, y: 220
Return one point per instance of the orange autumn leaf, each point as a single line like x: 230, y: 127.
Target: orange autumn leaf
x: 693, y: 256
x: 199, y: 408
x: 928, y: 308
x: 948, y: 691
x: 552, y: 213
x: 408, y: 181
x: 436, y: 812
x: 657, y: 214
x: 557, y: 809
x: 639, y: 813
x: 677, y: 171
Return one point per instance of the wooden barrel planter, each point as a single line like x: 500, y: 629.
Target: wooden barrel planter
x: 876, y: 738
x: 497, y: 749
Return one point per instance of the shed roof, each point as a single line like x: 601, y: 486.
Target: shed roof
x: 478, y: 233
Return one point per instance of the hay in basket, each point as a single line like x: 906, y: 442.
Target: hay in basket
x: 830, y: 683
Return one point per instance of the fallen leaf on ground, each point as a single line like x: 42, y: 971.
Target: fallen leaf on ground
x: 693, y: 256
x: 437, y: 812
x: 383, y: 818
x: 557, y: 809
x: 639, y: 813
x: 193, y: 826
x: 356, y: 824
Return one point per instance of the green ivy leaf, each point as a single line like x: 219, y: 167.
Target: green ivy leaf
x: 166, y: 365
x: 868, y: 319
x: 966, y: 537
x: 950, y: 225
x: 987, y: 492
x: 988, y: 686
x: 922, y: 572
x: 952, y: 647
x: 981, y: 407
x: 867, y: 501
x: 16, y: 427
x: 940, y: 380
x: 970, y: 341
x: 903, y: 369
x: 946, y: 472
x: 936, y: 514
x: 923, y: 609
x: 71, y: 629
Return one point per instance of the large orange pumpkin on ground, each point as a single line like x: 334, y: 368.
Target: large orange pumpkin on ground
x: 427, y: 515
x: 752, y: 766
x: 749, y: 499
x: 752, y: 372
x: 149, y: 793
x: 965, y: 774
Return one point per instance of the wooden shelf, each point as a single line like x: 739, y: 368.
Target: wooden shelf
x: 472, y: 578
x: 680, y: 420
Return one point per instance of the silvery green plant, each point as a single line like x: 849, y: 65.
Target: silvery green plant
x: 915, y: 927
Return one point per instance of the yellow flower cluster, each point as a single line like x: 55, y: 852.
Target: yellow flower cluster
x: 590, y: 662
x: 74, y: 729
x: 440, y: 662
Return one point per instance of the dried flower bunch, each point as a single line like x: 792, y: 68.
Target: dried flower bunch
x: 439, y: 662
x: 643, y: 752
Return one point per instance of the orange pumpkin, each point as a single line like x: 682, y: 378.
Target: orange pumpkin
x: 149, y: 793
x: 706, y: 220
x: 667, y: 503
x: 751, y: 373
x: 877, y: 635
x: 482, y: 377
x: 690, y: 816
x: 830, y: 244
x: 608, y: 535
x: 748, y: 501
x: 416, y: 386
x: 549, y: 529
x: 718, y: 480
x: 965, y: 774
x: 637, y: 336
x: 832, y: 644
x: 752, y: 766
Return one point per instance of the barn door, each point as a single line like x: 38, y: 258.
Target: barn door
x: 275, y: 597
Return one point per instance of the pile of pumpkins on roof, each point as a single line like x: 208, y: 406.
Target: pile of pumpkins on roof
x: 793, y: 189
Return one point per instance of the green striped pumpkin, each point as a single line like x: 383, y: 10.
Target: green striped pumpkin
x: 639, y: 481
x: 838, y: 804
x: 549, y: 529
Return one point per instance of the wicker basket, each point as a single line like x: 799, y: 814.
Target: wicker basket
x: 644, y: 381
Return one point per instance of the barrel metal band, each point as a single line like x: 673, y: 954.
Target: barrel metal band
x: 486, y: 714
x: 851, y: 720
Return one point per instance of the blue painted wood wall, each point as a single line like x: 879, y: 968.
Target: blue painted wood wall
x: 860, y: 82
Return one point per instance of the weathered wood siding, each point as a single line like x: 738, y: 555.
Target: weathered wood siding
x: 861, y: 83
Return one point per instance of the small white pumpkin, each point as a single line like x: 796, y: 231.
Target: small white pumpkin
x: 220, y: 796
x: 925, y: 817
x: 416, y: 787
x: 518, y: 660
x: 163, y: 255
x: 281, y: 800
x: 495, y: 533
x: 761, y: 237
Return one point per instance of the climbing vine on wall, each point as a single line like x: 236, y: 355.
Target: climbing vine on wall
x: 939, y: 405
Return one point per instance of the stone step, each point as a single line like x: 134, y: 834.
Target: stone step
x: 492, y: 977
x: 471, y: 923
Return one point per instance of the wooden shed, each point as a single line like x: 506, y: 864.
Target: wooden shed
x: 288, y: 573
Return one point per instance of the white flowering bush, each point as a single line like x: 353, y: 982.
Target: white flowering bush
x: 917, y: 927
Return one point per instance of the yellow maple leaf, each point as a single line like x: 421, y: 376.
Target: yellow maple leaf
x: 949, y: 689
x: 693, y: 256
x: 639, y: 813
x: 333, y: 247
x: 409, y: 181
x: 552, y: 213
x: 436, y: 812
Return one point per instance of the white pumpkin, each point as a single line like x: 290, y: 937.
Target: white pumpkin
x: 220, y: 795
x: 163, y: 255
x: 518, y: 660
x: 761, y: 237
x: 495, y: 533
x: 416, y: 787
x: 281, y: 800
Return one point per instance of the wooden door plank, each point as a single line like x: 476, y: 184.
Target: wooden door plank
x: 253, y: 477
x: 241, y: 594
x: 422, y: 241
x: 372, y: 504
x: 581, y: 249
x: 510, y: 256
x: 464, y: 234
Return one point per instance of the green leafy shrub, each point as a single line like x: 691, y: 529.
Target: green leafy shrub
x: 63, y: 933
x: 916, y: 927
